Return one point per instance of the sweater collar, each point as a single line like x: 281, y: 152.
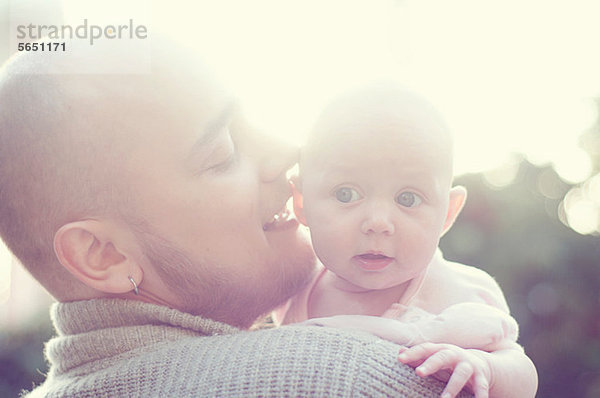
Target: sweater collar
x: 92, y: 330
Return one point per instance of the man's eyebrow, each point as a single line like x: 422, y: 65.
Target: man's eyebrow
x: 213, y: 128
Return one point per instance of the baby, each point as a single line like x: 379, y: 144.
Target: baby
x: 375, y: 189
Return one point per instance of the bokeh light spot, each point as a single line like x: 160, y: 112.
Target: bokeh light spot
x: 543, y: 299
x: 550, y: 185
x: 503, y: 176
x: 573, y: 165
x: 582, y: 214
x: 592, y: 189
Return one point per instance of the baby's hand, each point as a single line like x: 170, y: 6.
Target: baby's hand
x: 458, y: 366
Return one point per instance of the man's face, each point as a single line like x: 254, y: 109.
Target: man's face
x: 376, y: 203
x: 210, y: 196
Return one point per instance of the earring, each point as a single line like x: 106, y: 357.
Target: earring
x: 135, y: 287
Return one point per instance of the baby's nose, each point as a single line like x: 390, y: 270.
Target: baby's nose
x: 378, y: 222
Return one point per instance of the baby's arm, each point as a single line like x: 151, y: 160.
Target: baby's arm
x: 388, y: 329
x: 505, y: 373
x: 467, y: 325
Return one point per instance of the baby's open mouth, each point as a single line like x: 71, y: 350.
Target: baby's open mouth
x: 373, y: 261
x: 372, y: 257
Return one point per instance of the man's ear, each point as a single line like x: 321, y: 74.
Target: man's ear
x: 296, y: 184
x: 458, y: 196
x: 98, y: 255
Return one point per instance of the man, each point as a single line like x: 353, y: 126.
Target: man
x: 155, y: 216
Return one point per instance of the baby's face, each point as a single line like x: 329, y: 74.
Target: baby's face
x: 376, y: 203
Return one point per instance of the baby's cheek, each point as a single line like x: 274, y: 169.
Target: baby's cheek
x: 420, y: 247
x: 331, y: 231
x: 326, y: 227
x: 324, y: 242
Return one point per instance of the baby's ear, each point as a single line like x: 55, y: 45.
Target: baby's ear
x: 458, y: 196
x: 296, y: 184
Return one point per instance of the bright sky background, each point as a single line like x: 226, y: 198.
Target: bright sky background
x: 510, y: 76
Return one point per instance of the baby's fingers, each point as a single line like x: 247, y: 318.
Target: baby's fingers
x: 461, y: 375
x: 418, y: 352
x: 435, y: 359
x: 481, y: 386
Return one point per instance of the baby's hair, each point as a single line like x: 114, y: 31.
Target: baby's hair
x: 372, y: 109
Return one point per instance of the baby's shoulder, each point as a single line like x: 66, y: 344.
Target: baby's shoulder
x: 457, y: 282
x: 463, y: 274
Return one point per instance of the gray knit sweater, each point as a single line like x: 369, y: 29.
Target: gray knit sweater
x: 123, y: 348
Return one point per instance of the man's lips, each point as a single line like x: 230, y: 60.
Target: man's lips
x: 372, y: 261
x: 280, y: 220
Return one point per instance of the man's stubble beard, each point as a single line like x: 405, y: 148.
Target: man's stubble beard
x: 206, y: 291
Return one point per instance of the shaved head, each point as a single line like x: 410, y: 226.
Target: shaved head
x: 64, y: 144
x: 55, y: 163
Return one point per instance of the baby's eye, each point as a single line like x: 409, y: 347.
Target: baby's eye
x: 408, y: 199
x: 347, y: 195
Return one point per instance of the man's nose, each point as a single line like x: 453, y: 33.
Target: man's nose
x: 278, y: 157
x: 378, y: 221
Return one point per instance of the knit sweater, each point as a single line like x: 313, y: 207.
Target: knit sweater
x: 116, y: 348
